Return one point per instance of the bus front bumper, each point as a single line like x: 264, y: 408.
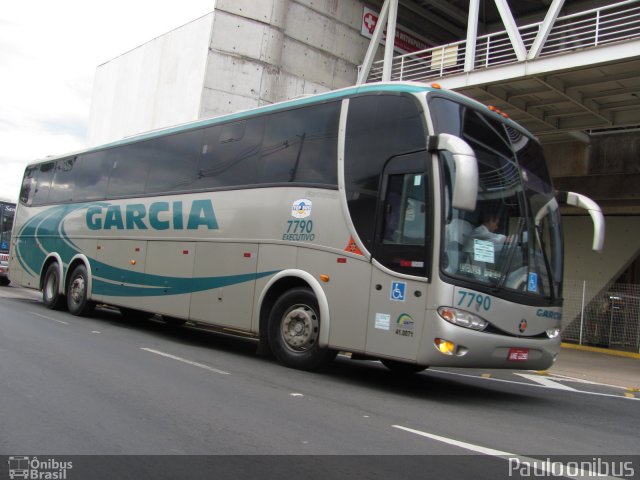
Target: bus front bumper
x: 473, y: 349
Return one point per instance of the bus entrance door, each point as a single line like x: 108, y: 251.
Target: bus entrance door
x: 398, y: 293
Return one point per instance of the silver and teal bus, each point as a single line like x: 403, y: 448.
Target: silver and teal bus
x: 348, y: 221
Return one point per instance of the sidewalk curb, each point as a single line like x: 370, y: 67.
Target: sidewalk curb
x: 605, y: 351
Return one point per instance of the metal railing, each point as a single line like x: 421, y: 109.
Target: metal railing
x: 609, y: 318
x: 592, y: 28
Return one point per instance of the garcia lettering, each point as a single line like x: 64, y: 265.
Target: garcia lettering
x: 159, y: 216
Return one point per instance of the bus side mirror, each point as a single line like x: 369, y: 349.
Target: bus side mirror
x: 584, y: 202
x: 465, y: 192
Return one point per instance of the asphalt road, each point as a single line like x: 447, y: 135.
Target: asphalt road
x: 107, y: 386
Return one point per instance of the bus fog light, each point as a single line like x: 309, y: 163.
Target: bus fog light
x: 445, y: 346
x: 553, y: 332
x: 462, y: 318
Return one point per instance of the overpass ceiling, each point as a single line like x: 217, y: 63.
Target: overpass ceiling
x: 558, y: 105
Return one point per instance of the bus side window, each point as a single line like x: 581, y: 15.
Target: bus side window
x: 92, y: 176
x: 28, y: 186
x: 230, y: 154
x: 43, y: 184
x: 63, y: 180
x: 127, y: 177
x: 175, y: 162
x: 300, y: 145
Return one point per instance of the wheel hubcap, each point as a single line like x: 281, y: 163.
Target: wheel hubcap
x: 299, y: 328
x: 77, y: 289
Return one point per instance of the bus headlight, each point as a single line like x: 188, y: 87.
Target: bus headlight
x: 462, y: 318
x: 553, y: 332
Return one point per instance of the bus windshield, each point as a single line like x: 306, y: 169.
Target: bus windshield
x: 512, y: 240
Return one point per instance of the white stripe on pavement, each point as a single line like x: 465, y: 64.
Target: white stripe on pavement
x: 48, y: 318
x: 546, y: 381
x: 184, y: 360
x: 516, y: 462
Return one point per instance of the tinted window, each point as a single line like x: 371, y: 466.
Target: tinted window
x: 63, y: 180
x: 378, y: 128
x: 175, y: 160
x: 92, y: 176
x: 130, y: 167
x: 28, y: 185
x: 230, y: 154
x: 43, y: 184
x: 301, y: 145
x: 404, y: 210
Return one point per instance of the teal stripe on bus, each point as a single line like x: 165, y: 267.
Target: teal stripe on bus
x: 44, y: 234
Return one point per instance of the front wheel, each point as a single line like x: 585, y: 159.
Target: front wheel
x: 294, y: 328
x: 77, y: 294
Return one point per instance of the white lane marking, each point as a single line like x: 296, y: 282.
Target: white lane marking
x: 49, y: 318
x: 184, y: 360
x: 598, y: 394
x: 296, y: 395
x: 545, y: 381
x: 457, y: 443
x: 95, y: 331
x: 565, y: 378
x: 515, y: 461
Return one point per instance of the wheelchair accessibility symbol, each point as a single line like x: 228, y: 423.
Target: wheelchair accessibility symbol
x: 398, y: 290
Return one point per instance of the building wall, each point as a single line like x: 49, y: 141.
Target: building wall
x: 152, y: 86
x: 265, y: 52
x: 621, y: 247
x: 242, y: 55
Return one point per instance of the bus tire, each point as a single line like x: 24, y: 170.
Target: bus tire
x: 294, y: 328
x: 78, y: 302
x: 402, y: 368
x: 51, y: 296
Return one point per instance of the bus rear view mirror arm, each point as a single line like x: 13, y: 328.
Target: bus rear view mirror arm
x: 584, y: 202
x: 465, y: 191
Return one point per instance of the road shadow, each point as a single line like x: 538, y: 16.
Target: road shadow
x: 431, y: 386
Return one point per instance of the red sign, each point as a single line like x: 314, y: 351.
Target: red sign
x: 406, y: 40
x: 518, y: 354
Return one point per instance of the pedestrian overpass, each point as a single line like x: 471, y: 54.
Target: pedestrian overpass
x: 563, y: 76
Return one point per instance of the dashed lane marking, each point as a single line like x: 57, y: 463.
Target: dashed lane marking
x: 49, y: 318
x: 184, y: 360
x: 513, y: 458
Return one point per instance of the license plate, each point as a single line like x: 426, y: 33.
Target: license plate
x: 518, y: 354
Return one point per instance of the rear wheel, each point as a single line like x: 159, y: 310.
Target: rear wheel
x: 77, y: 294
x: 403, y: 368
x: 294, y: 329
x: 4, y: 281
x: 51, y: 296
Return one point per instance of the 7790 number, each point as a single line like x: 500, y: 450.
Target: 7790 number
x: 300, y: 226
x: 468, y: 299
